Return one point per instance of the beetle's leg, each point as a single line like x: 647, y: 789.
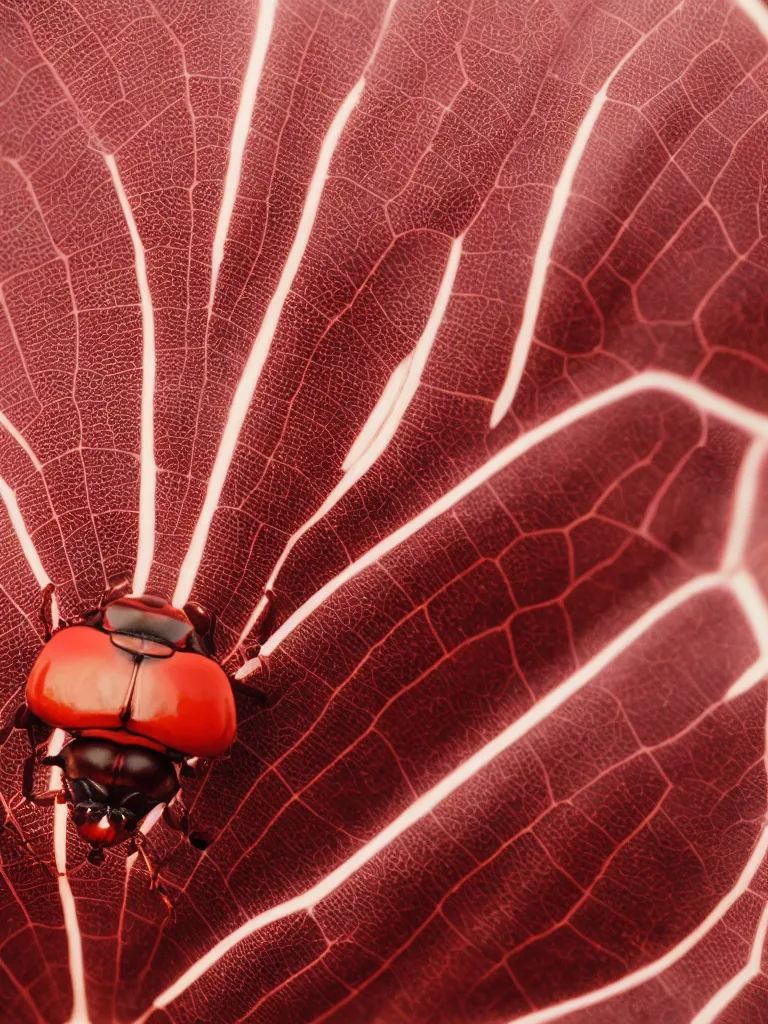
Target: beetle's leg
x: 50, y: 796
x: 28, y: 721
x: 47, y: 799
x: 176, y: 816
x: 140, y: 843
x: 56, y: 761
x: 250, y: 691
x: 46, y: 611
x: 262, y: 627
x: 155, y: 882
x: 28, y: 787
x: 204, y: 623
x: 117, y: 586
x: 28, y: 778
x: 248, y: 687
x: 25, y: 720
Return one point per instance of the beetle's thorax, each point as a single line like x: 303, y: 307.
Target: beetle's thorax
x: 156, y: 627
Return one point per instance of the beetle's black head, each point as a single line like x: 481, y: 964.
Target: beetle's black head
x: 102, y: 825
x: 112, y: 787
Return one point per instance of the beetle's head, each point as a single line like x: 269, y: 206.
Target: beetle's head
x: 112, y: 787
x: 102, y: 825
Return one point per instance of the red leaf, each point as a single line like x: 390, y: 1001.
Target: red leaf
x: 446, y: 323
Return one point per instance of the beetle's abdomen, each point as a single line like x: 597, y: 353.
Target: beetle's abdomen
x: 85, y: 679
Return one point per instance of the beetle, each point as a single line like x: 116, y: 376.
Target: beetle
x: 136, y: 684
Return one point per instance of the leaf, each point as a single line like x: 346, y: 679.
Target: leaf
x: 446, y: 324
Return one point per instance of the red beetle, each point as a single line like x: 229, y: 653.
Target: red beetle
x: 136, y: 684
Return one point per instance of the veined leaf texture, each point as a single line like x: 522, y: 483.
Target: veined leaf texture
x: 447, y: 322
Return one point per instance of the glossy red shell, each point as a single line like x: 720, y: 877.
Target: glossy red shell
x: 83, y: 682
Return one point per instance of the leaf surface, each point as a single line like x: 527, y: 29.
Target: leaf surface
x: 446, y: 323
